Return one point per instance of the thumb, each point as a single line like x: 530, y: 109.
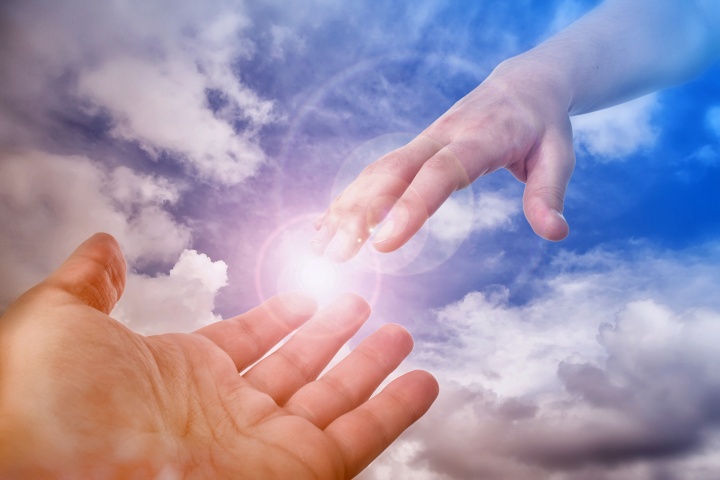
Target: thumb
x: 94, y: 274
x: 547, y: 181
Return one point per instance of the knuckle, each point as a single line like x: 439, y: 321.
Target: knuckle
x: 394, y: 163
x: 296, y: 366
x: 369, y: 169
x: 350, y: 209
x: 442, y: 164
x: 445, y: 124
x: 548, y: 194
x: 447, y: 165
x: 340, y: 390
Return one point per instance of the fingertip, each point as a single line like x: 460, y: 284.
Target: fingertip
x: 419, y: 389
x: 104, y: 248
x: 94, y: 273
x: 398, y: 329
x: 544, y: 214
x: 355, y: 303
x: 318, y: 222
x: 388, y: 244
x: 298, y: 304
x: 428, y: 380
x: 403, y: 221
x: 343, y: 246
x: 388, y: 231
x: 103, y: 245
x: 559, y: 229
x: 552, y: 226
x: 401, y: 335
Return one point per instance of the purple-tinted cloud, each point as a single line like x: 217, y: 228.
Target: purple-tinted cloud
x: 192, y: 131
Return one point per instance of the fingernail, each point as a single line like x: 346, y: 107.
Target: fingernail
x: 387, y: 231
x: 338, y: 247
x: 559, y: 215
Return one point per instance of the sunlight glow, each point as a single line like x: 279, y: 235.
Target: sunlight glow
x: 316, y: 276
x: 286, y: 263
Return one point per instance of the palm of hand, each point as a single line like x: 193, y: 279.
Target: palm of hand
x: 174, y: 406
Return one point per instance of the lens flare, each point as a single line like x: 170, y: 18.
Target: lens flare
x: 286, y: 264
x: 316, y: 276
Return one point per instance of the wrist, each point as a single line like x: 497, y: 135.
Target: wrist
x: 528, y: 77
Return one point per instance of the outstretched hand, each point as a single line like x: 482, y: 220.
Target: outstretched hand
x: 81, y: 396
x: 503, y: 123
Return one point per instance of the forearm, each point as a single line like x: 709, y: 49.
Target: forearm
x: 621, y: 50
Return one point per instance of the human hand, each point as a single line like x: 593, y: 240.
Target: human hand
x: 517, y: 119
x: 81, y: 396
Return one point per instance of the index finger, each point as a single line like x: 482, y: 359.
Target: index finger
x: 247, y: 337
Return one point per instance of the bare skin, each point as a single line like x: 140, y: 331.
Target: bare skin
x: 519, y: 119
x: 81, y: 396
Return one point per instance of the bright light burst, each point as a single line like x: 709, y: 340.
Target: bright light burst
x: 316, y: 276
x: 286, y: 264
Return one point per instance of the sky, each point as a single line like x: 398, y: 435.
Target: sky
x: 206, y: 136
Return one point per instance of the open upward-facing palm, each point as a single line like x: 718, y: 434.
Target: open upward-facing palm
x: 81, y: 396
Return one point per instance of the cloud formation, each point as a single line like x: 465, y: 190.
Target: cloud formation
x: 609, y: 371
x: 617, y: 132
x: 191, y: 130
x: 67, y: 199
x: 168, y: 86
x: 181, y: 301
x: 53, y: 203
x: 83, y: 86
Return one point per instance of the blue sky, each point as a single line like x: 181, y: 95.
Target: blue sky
x: 204, y: 136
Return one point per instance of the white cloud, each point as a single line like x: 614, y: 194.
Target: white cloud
x: 51, y: 203
x: 496, y: 211
x: 128, y: 188
x: 514, y: 350
x: 54, y: 203
x: 162, y: 106
x: 616, y: 132
x: 149, y: 66
x: 181, y: 301
x: 284, y: 38
x: 462, y: 215
x: 608, y: 373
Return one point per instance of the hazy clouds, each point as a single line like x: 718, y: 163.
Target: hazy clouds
x: 192, y: 130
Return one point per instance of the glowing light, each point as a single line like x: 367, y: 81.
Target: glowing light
x: 316, y: 276
x: 286, y: 263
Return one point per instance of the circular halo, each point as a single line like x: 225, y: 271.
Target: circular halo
x: 285, y: 263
